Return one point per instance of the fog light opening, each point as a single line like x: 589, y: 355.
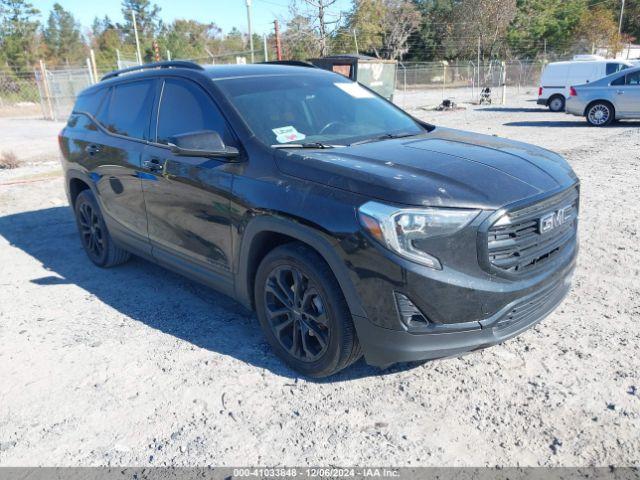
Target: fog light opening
x: 410, y: 315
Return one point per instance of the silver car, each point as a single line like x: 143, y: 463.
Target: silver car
x: 610, y: 98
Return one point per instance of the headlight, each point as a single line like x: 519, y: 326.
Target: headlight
x: 399, y: 228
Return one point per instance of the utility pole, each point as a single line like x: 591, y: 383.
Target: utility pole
x: 621, y: 15
x: 45, y: 87
x: 92, y: 56
x: 355, y: 40
x: 266, y: 50
x: 135, y: 32
x: 479, y: 46
x: 278, y: 44
x: 90, y: 70
x: 250, y: 32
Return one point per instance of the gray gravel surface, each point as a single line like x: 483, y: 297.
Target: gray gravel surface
x: 138, y: 366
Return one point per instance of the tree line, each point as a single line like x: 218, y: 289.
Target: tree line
x: 408, y: 30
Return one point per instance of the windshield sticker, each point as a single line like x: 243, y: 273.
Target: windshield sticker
x: 288, y: 134
x: 355, y: 90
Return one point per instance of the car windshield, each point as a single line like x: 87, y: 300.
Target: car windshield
x: 314, y: 109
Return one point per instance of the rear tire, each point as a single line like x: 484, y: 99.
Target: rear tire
x: 303, y: 312
x: 94, y: 236
x: 556, y: 103
x: 600, y: 114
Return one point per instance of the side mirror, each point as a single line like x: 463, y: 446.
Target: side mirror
x: 205, y: 143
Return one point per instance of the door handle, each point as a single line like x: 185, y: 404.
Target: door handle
x: 92, y: 149
x: 620, y: 92
x: 153, y: 164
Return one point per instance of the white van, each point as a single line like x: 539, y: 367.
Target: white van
x: 558, y: 77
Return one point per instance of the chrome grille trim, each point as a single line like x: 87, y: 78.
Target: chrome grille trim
x: 515, y: 244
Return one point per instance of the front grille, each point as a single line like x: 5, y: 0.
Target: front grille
x: 534, y: 307
x: 523, y: 239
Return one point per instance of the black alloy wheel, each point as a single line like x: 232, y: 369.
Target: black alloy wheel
x: 90, y: 230
x: 95, y: 238
x: 296, y: 313
x: 303, y: 312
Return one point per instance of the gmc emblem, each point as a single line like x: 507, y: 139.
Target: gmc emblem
x: 555, y: 219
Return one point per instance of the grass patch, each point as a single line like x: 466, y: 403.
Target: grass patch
x: 8, y: 160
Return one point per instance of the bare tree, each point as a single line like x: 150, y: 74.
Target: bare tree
x: 299, y: 39
x: 483, y: 21
x: 400, y: 19
x: 319, y: 17
x: 384, y: 26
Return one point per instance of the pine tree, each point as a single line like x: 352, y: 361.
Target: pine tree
x: 62, y: 37
x: 18, y: 35
x: 148, y: 23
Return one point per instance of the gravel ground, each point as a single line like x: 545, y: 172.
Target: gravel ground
x: 31, y: 140
x: 138, y: 366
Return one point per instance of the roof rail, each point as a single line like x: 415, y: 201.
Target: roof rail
x: 294, y: 63
x: 148, y: 66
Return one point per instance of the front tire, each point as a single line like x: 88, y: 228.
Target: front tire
x: 94, y: 236
x: 556, y: 103
x: 600, y: 114
x: 303, y: 312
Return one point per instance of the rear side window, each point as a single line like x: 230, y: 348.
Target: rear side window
x: 618, y: 81
x: 186, y: 108
x: 90, y: 102
x: 129, y: 109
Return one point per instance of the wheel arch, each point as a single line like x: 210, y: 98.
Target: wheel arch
x: 76, y: 182
x: 76, y: 186
x: 264, y: 233
x: 556, y: 95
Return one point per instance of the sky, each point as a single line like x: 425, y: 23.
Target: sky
x: 224, y: 13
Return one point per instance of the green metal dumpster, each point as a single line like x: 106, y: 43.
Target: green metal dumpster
x: 377, y: 74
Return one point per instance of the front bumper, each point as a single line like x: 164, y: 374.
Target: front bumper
x: 384, y: 346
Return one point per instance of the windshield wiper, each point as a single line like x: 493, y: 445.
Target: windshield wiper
x: 386, y: 136
x: 306, y: 145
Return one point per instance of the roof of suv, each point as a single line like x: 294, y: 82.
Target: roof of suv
x: 213, y: 71
x: 217, y: 72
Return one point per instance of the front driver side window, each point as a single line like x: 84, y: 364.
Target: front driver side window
x: 186, y: 108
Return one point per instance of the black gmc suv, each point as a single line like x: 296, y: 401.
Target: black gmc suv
x: 349, y: 226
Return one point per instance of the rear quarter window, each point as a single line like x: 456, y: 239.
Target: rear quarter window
x: 80, y: 122
x: 90, y: 102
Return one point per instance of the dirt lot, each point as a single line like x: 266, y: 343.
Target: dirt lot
x: 136, y: 365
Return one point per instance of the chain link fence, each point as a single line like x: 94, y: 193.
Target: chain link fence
x: 58, y: 90
x: 465, y: 81
x: 52, y: 93
x: 19, y: 94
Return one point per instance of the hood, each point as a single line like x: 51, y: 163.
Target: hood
x: 444, y: 167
